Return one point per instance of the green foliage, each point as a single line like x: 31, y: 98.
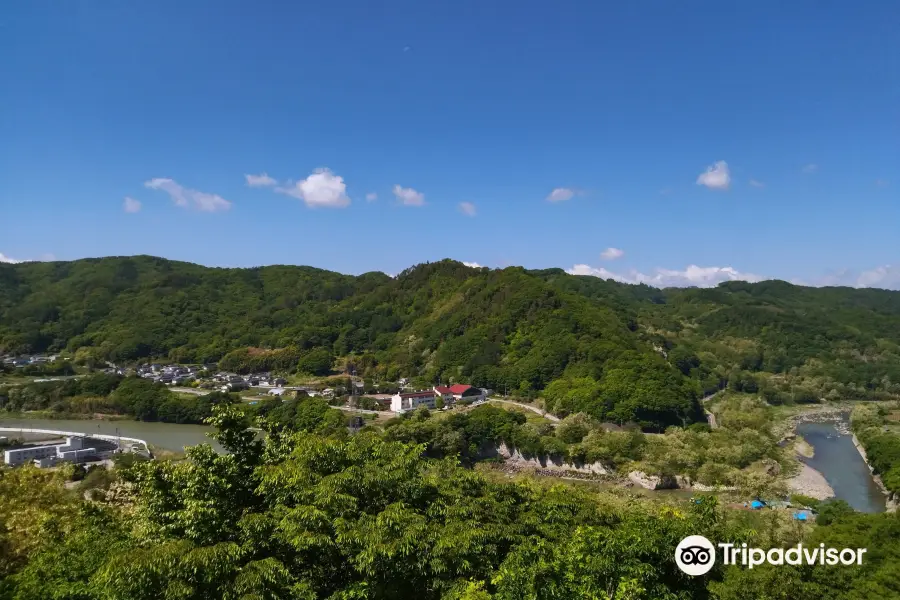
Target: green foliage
x: 309, y: 415
x: 316, y: 362
x: 880, y: 441
x: 298, y: 515
x: 502, y: 329
x: 626, y: 354
x: 138, y: 398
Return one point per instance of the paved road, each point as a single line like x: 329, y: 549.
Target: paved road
x: 544, y: 414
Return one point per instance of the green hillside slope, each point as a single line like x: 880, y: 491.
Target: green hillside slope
x: 620, y: 352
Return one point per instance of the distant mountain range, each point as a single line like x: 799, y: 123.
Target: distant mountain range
x: 622, y: 352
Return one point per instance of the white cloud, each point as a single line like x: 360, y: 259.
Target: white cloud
x: 130, y: 205
x: 757, y: 183
x: 810, y: 168
x: 612, y: 254
x: 473, y: 265
x: 467, y: 208
x: 409, y: 196
x: 691, y: 276
x: 261, y: 180
x: 188, y: 198
x: 10, y: 260
x: 885, y: 277
x: 716, y: 177
x: 560, y: 195
x: 321, y: 189
x: 371, y: 197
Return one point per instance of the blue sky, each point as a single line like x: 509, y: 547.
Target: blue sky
x: 759, y: 138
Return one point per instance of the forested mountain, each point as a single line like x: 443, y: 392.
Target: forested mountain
x: 617, y: 351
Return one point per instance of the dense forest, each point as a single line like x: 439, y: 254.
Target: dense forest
x: 329, y: 515
x: 618, y: 352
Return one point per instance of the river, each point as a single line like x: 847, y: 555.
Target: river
x: 167, y: 436
x: 838, y: 460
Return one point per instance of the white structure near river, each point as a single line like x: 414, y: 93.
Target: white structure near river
x: 73, y: 450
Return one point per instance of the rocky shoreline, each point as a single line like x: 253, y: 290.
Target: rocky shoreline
x: 810, y: 482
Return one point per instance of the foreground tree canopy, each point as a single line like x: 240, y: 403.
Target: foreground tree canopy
x: 303, y: 516
x: 617, y: 352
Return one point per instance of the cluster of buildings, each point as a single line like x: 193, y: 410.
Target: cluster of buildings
x: 460, y: 392
x: 73, y: 450
x: 186, y: 374
x: 168, y: 374
x: 24, y: 361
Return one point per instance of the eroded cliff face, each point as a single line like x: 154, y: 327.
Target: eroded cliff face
x: 550, y: 465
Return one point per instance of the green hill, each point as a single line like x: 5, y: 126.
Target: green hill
x: 620, y: 352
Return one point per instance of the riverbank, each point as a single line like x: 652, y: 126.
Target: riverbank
x: 810, y: 482
x: 62, y: 416
x: 892, y: 503
x: 160, y: 436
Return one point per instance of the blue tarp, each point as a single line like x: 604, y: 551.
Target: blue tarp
x: 756, y: 504
x: 801, y: 516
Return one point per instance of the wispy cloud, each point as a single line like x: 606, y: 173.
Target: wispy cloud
x: 473, y: 265
x: 612, y: 254
x: 261, y: 180
x: 321, y: 189
x: 716, y: 177
x: 756, y: 183
x: 188, y: 198
x: 409, y: 196
x: 371, y: 197
x: 688, y: 277
x: 810, y: 168
x: 884, y: 277
x: 10, y: 260
x: 130, y: 205
x: 882, y: 183
x: 467, y: 208
x: 561, y: 194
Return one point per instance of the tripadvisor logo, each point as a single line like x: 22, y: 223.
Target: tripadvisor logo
x: 696, y: 555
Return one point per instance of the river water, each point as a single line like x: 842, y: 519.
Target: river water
x: 839, y: 461
x: 167, y: 436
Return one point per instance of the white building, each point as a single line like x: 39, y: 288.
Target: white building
x: 445, y: 393
x: 73, y: 450
x: 401, y: 403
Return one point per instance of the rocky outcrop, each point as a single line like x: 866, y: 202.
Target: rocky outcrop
x: 550, y: 464
x: 655, y: 482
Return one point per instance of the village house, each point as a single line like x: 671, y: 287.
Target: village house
x: 464, y: 391
x: 445, y: 393
x: 401, y: 403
